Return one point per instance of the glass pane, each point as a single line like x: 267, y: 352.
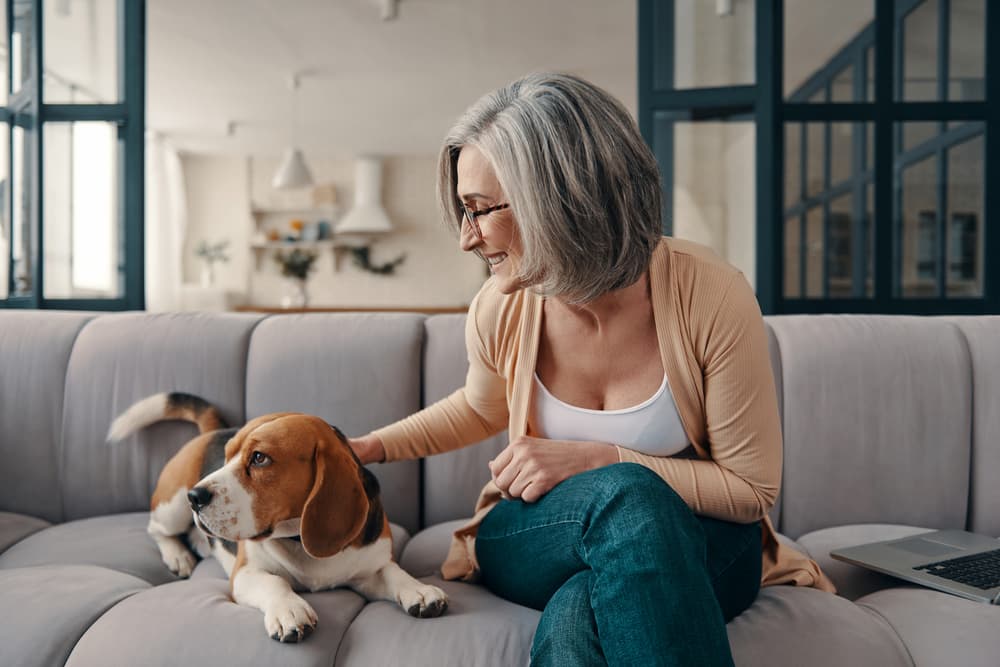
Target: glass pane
x: 81, y: 51
x: 965, y: 219
x: 714, y: 44
x: 869, y: 241
x: 793, y: 163
x: 793, y: 257
x: 21, y: 218
x: 815, y: 158
x: 869, y: 146
x: 842, y: 87
x: 843, y: 138
x: 3, y: 77
x: 869, y: 75
x: 915, y: 134
x: 966, y: 50
x: 816, y: 33
x: 920, y: 53
x: 844, y: 250
x: 919, y: 242
x: 81, y: 217
x: 815, y: 245
x: 22, y: 39
x: 714, y: 189
x: 4, y: 217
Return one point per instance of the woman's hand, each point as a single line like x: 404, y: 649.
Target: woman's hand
x: 368, y: 449
x: 528, y: 468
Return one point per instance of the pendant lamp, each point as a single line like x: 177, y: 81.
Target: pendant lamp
x: 293, y: 172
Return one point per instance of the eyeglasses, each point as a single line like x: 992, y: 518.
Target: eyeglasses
x: 471, y: 216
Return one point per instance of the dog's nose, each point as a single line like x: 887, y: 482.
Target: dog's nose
x: 199, y: 496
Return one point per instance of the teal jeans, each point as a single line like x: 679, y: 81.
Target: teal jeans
x: 622, y: 570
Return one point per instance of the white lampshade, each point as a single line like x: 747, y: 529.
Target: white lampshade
x: 293, y: 172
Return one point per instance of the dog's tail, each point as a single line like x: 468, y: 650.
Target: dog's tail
x: 165, y: 406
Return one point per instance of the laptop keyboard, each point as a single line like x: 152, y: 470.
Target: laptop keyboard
x: 980, y: 570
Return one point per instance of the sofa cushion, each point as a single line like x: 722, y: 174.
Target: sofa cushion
x: 983, y: 337
x: 35, y: 349
x: 117, y: 542
x: 426, y: 551
x: 121, y: 358
x: 877, y: 421
x: 357, y: 371
x: 15, y: 527
x: 45, y: 610
x: 853, y: 581
x: 791, y: 625
x: 940, y: 629
x: 452, y: 481
x: 196, y: 623
x: 479, y: 629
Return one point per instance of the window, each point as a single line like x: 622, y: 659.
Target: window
x: 74, y: 120
x: 871, y: 139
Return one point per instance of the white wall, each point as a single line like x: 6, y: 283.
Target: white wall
x: 435, y: 273
x: 714, y: 189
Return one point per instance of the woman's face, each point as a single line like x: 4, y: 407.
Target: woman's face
x: 500, y: 245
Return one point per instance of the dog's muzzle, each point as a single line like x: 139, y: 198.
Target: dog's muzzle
x: 199, y: 497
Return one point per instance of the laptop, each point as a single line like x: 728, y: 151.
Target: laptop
x: 953, y: 561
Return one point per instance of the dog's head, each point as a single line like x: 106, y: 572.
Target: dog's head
x: 285, y: 474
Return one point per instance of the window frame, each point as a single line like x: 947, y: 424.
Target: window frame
x: 886, y: 113
x: 129, y: 116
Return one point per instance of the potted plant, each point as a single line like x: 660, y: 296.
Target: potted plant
x: 296, y: 265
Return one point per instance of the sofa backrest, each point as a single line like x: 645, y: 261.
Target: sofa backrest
x: 356, y: 371
x: 983, y: 337
x: 877, y: 421
x: 885, y: 419
x: 452, y: 481
x: 121, y: 358
x: 35, y: 349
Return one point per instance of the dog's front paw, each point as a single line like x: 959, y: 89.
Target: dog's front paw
x: 290, y: 620
x: 423, y: 601
x: 178, y: 559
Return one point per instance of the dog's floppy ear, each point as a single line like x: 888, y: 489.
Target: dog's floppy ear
x: 337, y: 507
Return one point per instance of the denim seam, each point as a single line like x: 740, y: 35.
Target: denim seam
x: 526, y: 530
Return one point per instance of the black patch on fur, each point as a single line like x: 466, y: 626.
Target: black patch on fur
x: 215, y: 453
x: 195, y: 404
x: 374, y: 520
x: 373, y: 523
x: 229, y: 546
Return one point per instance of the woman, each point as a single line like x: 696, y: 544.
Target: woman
x: 632, y: 374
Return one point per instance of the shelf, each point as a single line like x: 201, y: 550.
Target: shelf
x: 281, y: 245
x: 330, y: 209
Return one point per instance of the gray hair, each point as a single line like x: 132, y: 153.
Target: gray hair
x: 583, y: 186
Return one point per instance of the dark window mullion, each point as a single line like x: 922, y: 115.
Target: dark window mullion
x: 884, y: 216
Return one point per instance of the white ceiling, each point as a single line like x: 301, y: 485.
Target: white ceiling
x: 370, y: 86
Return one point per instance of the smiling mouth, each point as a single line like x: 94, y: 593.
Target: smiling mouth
x: 493, y: 260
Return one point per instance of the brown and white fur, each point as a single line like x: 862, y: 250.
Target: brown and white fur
x: 283, y: 504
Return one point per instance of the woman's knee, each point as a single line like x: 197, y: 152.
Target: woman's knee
x: 633, y: 482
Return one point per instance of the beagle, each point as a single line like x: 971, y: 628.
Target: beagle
x: 283, y: 504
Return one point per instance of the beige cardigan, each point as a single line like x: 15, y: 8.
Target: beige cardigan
x: 713, y: 346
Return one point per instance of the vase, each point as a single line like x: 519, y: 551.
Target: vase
x: 207, y: 278
x: 297, y: 295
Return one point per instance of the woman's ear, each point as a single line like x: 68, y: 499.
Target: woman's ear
x: 337, y: 507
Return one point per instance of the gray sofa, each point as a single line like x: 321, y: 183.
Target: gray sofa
x: 892, y: 426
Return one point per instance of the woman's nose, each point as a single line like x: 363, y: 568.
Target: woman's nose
x: 467, y: 238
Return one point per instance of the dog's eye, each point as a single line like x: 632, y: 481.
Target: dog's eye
x: 259, y: 459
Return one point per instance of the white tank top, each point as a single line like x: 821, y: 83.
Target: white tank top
x: 652, y: 427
